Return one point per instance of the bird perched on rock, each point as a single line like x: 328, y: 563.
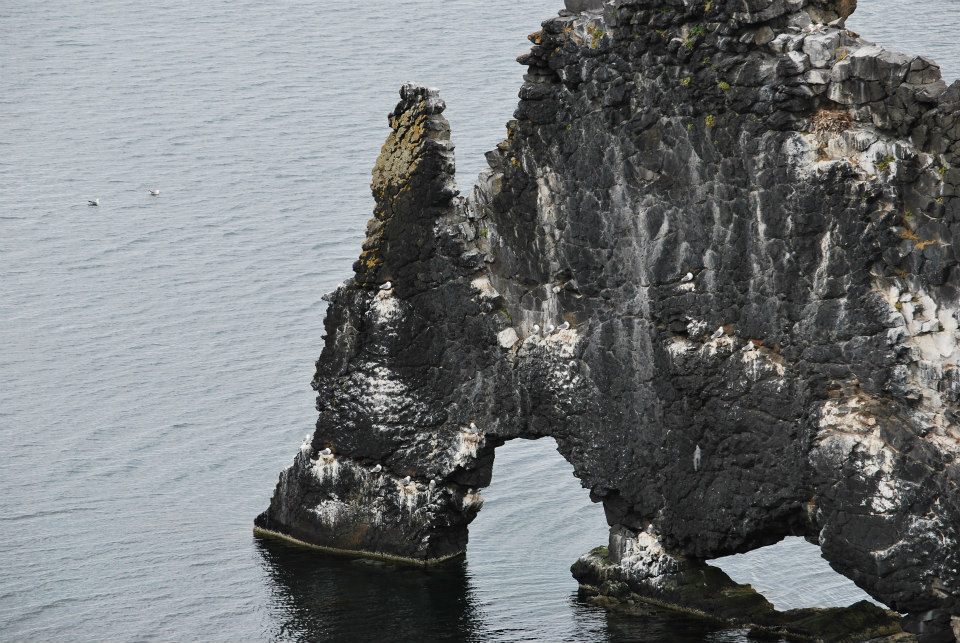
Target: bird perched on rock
x: 473, y: 428
x: 377, y: 469
x: 406, y: 480
x: 386, y: 286
x: 326, y: 452
x: 94, y: 202
x: 556, y: 289
x: 433, y: 485
x: 687, y: 278
x: 536, y: 329
x: 154, y: 192
x: 717, y: 334
x: 565, y: 326
x: 550, y: 329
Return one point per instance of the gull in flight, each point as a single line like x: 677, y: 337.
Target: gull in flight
x: 94, y: 202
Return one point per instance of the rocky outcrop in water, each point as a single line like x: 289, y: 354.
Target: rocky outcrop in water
x: 714, y: 259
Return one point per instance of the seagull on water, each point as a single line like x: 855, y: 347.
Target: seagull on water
x: 377, y: 469
x: 154, y: 192
x: 386, y: 286
x: 94, y: 202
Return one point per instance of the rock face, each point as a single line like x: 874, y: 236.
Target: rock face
x: 584, y: 5
x: 714, y: 259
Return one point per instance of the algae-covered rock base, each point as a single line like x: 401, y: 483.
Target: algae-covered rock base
x: 714, y: 259
x: 697, y: 589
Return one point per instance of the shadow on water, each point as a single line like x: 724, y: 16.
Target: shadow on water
x: 317, y: 597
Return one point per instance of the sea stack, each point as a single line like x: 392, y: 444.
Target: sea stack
x: 808, y: 178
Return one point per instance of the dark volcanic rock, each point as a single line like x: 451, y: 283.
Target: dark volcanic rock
x: 714, y: 259
x: 690, y: 586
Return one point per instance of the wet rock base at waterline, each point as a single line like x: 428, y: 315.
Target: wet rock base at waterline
x: 713, y: 259
x: 696, y: 589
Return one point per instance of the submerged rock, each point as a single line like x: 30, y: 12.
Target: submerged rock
x: 745, y: 215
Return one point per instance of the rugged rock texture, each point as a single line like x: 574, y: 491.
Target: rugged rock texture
x: 714, y: 259
x: 639, y: 573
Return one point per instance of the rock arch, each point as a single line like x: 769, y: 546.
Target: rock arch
x: 713, y: 259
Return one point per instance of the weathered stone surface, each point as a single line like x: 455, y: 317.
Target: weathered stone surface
x: 584, y: 5
x: 641, y: 573
x: 723, y: 235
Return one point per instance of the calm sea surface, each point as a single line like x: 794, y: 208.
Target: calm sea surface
x: 155, y: 353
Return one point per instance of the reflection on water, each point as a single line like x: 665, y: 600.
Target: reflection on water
x: 329, y: 598
x: 316, y: 597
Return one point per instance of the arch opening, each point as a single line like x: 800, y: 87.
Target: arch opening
x: 792, y: 574
x: 536, y: 519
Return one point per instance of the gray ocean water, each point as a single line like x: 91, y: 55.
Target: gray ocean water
x: 156, y: 353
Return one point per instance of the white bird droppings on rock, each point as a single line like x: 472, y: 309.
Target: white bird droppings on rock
x: 507, y: 337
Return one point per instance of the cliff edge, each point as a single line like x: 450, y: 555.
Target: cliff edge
x: 714, y: 260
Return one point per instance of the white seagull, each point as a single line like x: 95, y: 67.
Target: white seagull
x: 473, y: 428
x: 550, y: 329
x: 565, y: 326
x: 386, y: 286
x: 326, y: 452
x: 536, y: 329
x: 154, y: 192
x: 94, y: 202
x: 687, y: 278
x: 377, y: 469
x: 406, y: 480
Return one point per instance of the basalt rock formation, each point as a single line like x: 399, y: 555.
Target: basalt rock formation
x: 713, y: 259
